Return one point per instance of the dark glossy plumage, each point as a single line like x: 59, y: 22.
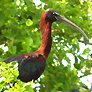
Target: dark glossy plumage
x: 30, y: 65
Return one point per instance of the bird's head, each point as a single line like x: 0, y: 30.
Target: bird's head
x: 53, y: 15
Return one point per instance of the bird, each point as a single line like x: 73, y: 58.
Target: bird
x: 32, y: 65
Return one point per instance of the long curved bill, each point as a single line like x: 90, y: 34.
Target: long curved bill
x: 62, y: 19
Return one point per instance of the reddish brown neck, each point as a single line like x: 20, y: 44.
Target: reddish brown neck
x: 45, y: 27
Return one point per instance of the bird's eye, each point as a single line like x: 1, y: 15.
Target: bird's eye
x: 56, y: 13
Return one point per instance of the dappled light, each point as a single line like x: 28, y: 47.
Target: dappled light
x: 70, y: 59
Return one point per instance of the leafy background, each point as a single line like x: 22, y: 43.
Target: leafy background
x: 20, y: 33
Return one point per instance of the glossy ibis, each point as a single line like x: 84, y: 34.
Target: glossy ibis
x: 31, y: 65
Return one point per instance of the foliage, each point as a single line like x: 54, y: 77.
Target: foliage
x: 20, y: 32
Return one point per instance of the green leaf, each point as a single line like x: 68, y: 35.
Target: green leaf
x: 1, y: 51
x: 75, y: 40
x: 29, y: 41
x: 29, y: 22
x: 86, y: 51
x: 81, y: 58
x: 14, y: 50
x: 2, y: 15
x: 28, y: 88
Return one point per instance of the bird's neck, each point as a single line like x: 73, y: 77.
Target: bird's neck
x: 45, y: 27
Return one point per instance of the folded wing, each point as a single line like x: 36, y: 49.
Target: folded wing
x: 30, y: 65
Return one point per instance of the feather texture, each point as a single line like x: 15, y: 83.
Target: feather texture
x: 30, y: 65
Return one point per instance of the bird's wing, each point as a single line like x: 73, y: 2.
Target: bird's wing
x: 30, y: 65
x: 20, y: 57
x: 13, y: 58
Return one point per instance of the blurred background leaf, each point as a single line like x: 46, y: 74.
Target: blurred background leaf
x: 20, y: 33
